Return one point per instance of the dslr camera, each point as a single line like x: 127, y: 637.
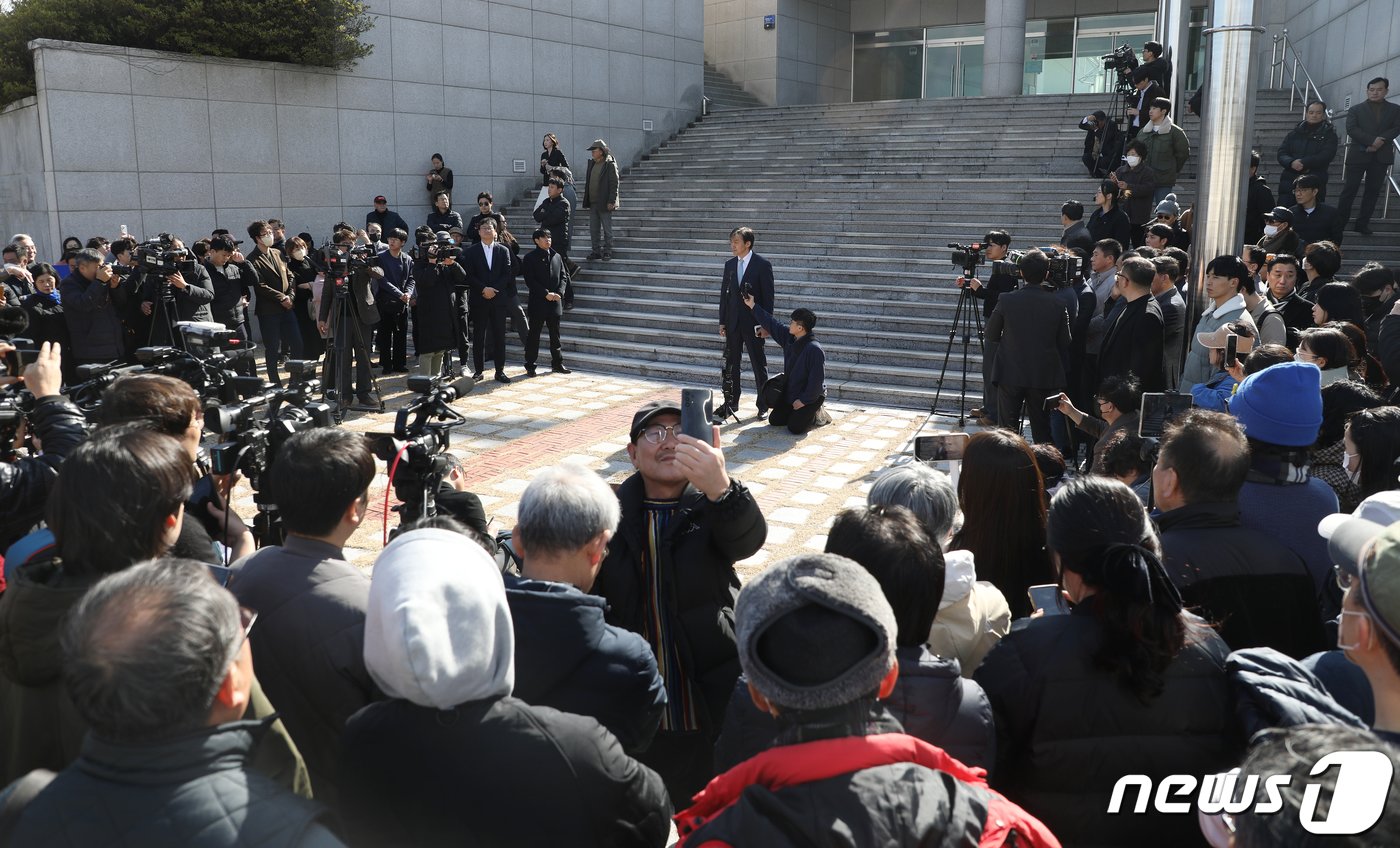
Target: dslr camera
x: 968, y: 257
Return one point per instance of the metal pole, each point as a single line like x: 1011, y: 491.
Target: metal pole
x: 1273, y: 63
x: 1173, y: 29
x: 1226, y: 127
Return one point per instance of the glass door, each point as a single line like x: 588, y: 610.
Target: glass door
x: 888, y: 65
x: 1098, y: 36
x: 953, y: 61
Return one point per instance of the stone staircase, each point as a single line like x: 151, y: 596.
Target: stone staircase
x: 724, y: 93
x: 854, y: 204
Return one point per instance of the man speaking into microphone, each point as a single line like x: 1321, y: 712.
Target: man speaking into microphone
x: 746, y: 274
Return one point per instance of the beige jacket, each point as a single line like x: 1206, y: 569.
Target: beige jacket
x: 972, y: 617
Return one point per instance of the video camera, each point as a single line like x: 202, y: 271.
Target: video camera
x: 159, y: 256
x: 1064, y: 266
x: 1122, y: 59
x: 417, y: 449
x: 16, y: 404
x: 437, y: 249
x: 968, y: 257
x: 341, y: 259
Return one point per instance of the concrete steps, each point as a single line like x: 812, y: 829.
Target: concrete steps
x: 725, y: 94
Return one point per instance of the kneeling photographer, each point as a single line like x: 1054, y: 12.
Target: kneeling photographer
x: 997, y: 244
x: 57, y: 425
x: 1030, y: 328
x: 803, y: 381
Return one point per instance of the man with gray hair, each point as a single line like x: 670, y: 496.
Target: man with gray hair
x: 973, y: 615
x: 158, y: 666
x: 566, y: 656
x: 94, y: 297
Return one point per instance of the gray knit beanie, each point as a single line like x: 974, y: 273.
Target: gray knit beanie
x: 815, y: 631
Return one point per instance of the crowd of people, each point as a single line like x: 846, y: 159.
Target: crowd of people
x: 985, y: 661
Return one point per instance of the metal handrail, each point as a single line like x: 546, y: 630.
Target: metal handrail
x: 1279, y: 66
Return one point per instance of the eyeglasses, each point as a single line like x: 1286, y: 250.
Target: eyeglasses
x: 483, y: 204
x: 246, y: 619
x: 1345, y: 578
x: 656, y: 435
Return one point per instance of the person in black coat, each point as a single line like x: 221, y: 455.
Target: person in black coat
x: 551, y: 157
x: 453, y: 757
x: 699, y: 521
x: 1309, y: 148
x: 566, y: 654
x: 491, y: 277
x: 443, y: 217
x: 485, y: 208
x: 184, y: 295
x: 437, y: 275
x: 233, y: 282
x: 1281, y: 276
x: 1258, y: 591
x: 1028, y: 338
x: 555, y: 214
x: 1145, y: 90
x: 1372, y: 127
x: 1084, y: 698
x: 931, y: 700
x: 45, y: 313
x: 547, y: 282
x: 1109, y: 221
x: 1134, y: 341
x: 439, y: 178
x: 799, y: 406
x: 1157, y: 66
x: 94, y: 297
x: 1314, y: 220
x: 1259, y: 201
x: 1076, y: 233
x: 1103, y: 142
x: 746, y: 273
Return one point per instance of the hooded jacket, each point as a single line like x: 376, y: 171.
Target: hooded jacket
x: 452, y: 758
x: 567, y: 657
x: 972, y: 617
x: 1272, y: 690
x: 1198, y: 368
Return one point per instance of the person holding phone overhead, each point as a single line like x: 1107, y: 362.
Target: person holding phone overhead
x: 745, y: 274
x: 797, y: 395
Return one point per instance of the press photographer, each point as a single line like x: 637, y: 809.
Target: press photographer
x: 233, y: 279
x: 57, y: 425
x: 1028, y: 343
x: 349, y: 295
x: 174, y: 288
x: 441, y: 282
x: 996, y: 245
x: 94, y: 297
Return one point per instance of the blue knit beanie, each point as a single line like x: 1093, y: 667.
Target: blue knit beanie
x: 1281, y: 405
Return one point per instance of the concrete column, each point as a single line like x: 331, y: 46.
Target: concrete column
x: 1004, y: 52
x: 1173, y: 30
x: 1231, y: 39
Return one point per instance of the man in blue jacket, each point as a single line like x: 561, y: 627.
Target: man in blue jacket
x: 804, y: 370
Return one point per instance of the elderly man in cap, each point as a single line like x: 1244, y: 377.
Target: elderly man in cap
x: 387, y: 219
x: 1279, y: 237
x: 669, y: 575
x: 600, y: 198
x: 817, y: 642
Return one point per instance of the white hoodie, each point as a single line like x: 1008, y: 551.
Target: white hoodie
x: 972, y: 617
x: 438, y: 630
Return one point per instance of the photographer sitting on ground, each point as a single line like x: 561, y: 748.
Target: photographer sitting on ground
x: 804, y: 371
x: 1118, y: 399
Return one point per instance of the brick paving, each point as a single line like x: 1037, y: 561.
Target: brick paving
x: 512, y: 431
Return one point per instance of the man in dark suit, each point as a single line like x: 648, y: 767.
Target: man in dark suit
x: 1030, y: 326
x: 546, y: 280
x: 1134, y: 341
x: 1141, y: 99
x: 492, y: 282
x: 364, y: 285
x: 1173, y: 307
x: 1373, y: 126
x: 1314, y: 221
x: 746, y: 273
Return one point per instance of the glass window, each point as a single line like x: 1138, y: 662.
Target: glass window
x: 888, y: 65
x: 953, y: 61
x: 1049, y: 57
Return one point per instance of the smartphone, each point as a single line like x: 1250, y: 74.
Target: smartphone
x: 1232, y: 342
x: 1047, y: 596
x: 758, y: 329
x: 1158, y: 408
x: 1052, y: 403
x: 940, y: 448
x: 696, y: 412
x: 124, y: 233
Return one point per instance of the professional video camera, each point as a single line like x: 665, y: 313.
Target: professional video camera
x: 16, y: 404
x: 417, y: 449
x: 968, y: 257
x: 256, y: 426
x: 437, y: 249
x: 1064, y: 266
x: 1122, y: 59
x: 159, y: 256
x: 341, y: 259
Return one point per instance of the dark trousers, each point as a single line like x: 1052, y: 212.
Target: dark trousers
x: 463, y: 325
x: 735, y: 341
x: 539, y: 321
x: 276, y: 329
x: 493, y: 318
x: 1009, y: 402
x: 799, y: 421
x: 1374, y: 172
x: 392, y: 339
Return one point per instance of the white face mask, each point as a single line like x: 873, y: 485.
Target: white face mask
x: 298, y: 255
x: 1351, y: 646
x: 1353, y: 476
x: 265, y: 240
x: 1270, y: 230
x: 1132, y: 160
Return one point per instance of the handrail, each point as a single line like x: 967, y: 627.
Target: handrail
x: 1279, y: 67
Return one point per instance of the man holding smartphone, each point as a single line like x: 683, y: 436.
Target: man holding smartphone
x: 746, y: 274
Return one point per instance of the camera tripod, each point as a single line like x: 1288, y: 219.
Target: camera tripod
x: 164, y: 314
x: 967, y: 320
x: 339, y: 365
x: 1118, y: 118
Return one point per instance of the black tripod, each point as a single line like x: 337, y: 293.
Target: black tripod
x: 165, y: 314
x: 339, y: 364
x: 967, y: 320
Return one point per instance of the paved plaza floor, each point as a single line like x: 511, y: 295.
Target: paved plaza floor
x: 512, y: 431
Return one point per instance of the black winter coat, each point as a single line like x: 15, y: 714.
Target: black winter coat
x: 544, y: 274
x: 554, y: 214
x: 1114, y: 224
x: 1315, y: 145
x: 229, y: 290
x: 441, y: 222
x: 46, y: 321
x: 309, y: 645
x: 1272, y: 690
x: 567, y: 657
x: 93, y: 311
x: 25, y: 484
x: 194, y: 789
x: 192, y: 303
x: 436, y: 317
x: 931, y: 701
x: 702, y: 542
x: 1259, y: 203
x: 1068, y: 730
x: 1134, y: 343
x: 494, y: 773
x: 1259, y: 592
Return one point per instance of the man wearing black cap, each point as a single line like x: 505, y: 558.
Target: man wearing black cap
x: 600, y: 198
x: 387, y: 219
x: 1279, y: 237
x: 817, y: 642
x: 669, y: 575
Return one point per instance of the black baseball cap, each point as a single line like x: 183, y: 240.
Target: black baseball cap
x: 649, y: 411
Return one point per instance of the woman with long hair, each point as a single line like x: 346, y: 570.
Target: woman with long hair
x: 551, y: 157
x: 1372, y: 446
x: 1002, y: 495
x: 1126, y: 683
x: 1109, y: 220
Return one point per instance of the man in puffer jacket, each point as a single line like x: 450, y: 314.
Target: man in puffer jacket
x: 931, y: 701
x: 817, y: 641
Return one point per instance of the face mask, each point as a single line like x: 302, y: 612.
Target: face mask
x: 1298, y: 357
x: 1352, y: 646
x: 1270, y: 230
x: 1353, y: 476
x: 265, y: 240
x: 1132, y: 161
x: 298, y: 255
